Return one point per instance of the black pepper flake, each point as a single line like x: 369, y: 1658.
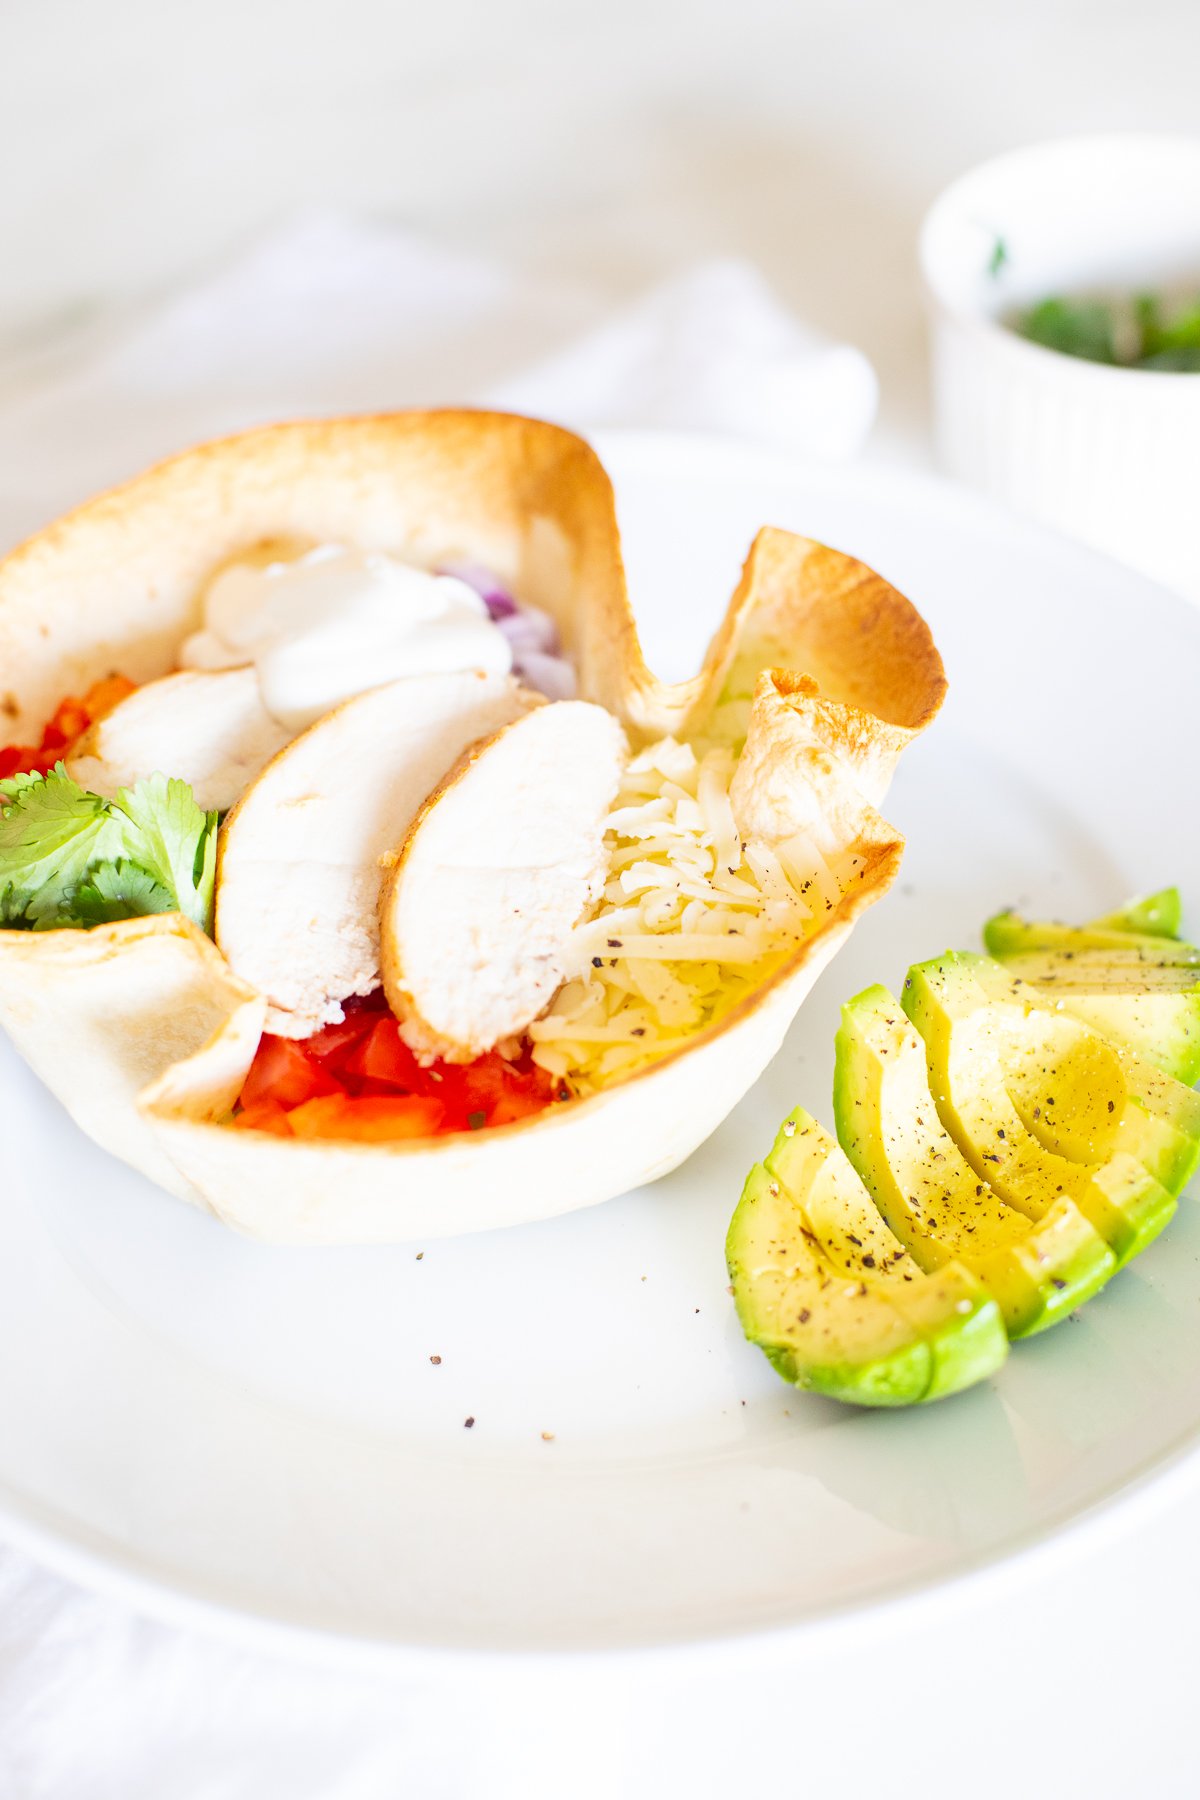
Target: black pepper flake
x: 638, y: 1031
x: 467, y: 1423
x: 614, y: 943
x: 1112, y: 1106
x: 597, y: 962
x: 435, y: 1360
x: 805, y: 1316
x: 868, y: 1261
x: 1058, y: 1282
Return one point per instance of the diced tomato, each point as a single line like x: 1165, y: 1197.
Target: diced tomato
x: 359, y: 1080
x: 69, y: 721
x: 334, y: 1045
x: 284, y: 1071
x: 383, y: 1056
x: 368, y: 1120
x: 516, y: 1104
x: 103, y: 695
x: 267, y: 1115
x: 485, y: 1080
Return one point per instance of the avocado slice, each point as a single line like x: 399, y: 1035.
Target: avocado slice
x: 1135, y: 928
x: 834, y: 1300
x: 1150, y: 1007
x: 973, y: 1047
x: 1157, y: 915
x: 1084, y: 1096
x: 932, y: 1200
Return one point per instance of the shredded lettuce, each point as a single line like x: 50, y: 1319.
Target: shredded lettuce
x: 70, y: 858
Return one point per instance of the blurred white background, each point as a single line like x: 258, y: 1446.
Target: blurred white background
x: 143, y: 141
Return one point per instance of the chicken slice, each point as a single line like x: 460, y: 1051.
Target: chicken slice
x: 503, y: 862
x: 211, y: 730
x: 299, y: 869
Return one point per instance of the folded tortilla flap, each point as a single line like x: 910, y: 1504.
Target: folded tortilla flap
x: 803, y: 607
x: 205, y: 1084
x: 99, y: 1014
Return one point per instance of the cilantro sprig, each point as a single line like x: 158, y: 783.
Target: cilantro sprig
x: 68, y: 857
x: 1138, y: 333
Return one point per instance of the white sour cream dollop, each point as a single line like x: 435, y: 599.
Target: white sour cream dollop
x: 338, y: 621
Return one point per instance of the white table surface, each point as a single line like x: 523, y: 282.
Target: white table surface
x: 141, y: 143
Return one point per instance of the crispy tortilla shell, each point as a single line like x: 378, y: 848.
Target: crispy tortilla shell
x: 149, y: 1008
x: 99, y: 1014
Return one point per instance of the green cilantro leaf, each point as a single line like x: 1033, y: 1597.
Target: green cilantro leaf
x: 1182, y: 361
x: 1073, y: 327
x: 12, y: 784
x: 70, y: 858
x: 120, y: 890
x: 1135, y: 332
x: 1183, y: 331
x: 51, y: 834
x: 173, y: 841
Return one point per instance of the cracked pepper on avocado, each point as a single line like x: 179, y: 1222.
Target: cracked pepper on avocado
x: 371, y: 813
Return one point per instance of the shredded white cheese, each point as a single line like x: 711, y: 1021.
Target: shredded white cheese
x: 691, y: 919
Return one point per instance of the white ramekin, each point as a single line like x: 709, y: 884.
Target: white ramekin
x: 1110, y: 455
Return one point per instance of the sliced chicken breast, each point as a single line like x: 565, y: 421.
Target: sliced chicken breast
x: 209, y: 729
x: 503, y: 862
x: 300, y: 862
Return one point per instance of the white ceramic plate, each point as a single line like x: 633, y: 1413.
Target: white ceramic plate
x: 255, y: 1436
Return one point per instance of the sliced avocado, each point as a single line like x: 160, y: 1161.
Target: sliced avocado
x: 969, y: 1047
x: 1158, y: 915
x: 1084, y: 1096
x: 931, y: 1199
x: 1008, y: 934
x: 950, y: 1308
x: 1143, y: 1002
x: 835, y: 1338
x: 833, y: 1299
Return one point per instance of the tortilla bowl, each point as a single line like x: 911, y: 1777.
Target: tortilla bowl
x: 141, y: 1028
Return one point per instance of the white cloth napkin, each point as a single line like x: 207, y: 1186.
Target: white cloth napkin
x: 332, y: 317
x: 335, y: 317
